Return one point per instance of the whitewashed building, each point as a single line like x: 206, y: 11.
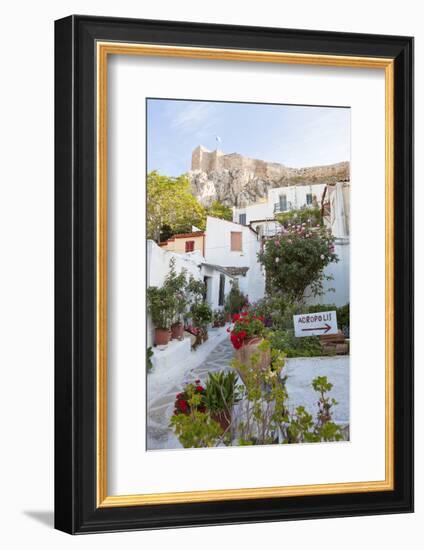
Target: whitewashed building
x: 335, y: 204
x: 235, y: 248
x: 261, y: 215
x: 230, y: 256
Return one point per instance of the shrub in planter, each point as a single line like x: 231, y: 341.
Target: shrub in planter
x: 285, y: 340
x: 201, y: 315
x: 276, y: 310
x: 191, y: 421
x: 264, y: 397
x: 221, y: 395
x: 235, y: 300
x: 184, y: 400
x: 175, y: 284
x: 161, y: 307
x: 218, y: 318
x: 246, y: 327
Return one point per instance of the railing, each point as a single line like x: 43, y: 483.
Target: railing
x: 278, y: 209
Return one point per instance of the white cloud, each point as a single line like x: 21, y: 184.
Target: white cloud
x: 192, y: 117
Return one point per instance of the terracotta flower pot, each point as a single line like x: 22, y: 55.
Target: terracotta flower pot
x: 223, y: 419
x: 177, y: 331
x: 249, y: 348
x: 162, y: 336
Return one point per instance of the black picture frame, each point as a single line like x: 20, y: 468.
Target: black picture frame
x: 76, y: 509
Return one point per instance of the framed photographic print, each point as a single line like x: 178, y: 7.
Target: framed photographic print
x: 233, y: 274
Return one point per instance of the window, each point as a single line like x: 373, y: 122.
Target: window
x: 308, y: 198
x: 236, y: 242
x: 242, y: 219
x: 283, y: 203
x: 189, y: 246
x: 221, y: 289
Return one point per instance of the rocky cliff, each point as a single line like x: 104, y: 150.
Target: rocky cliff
x: 238, y: 181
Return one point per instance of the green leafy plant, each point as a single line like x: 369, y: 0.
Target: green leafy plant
x: 171, y: 207
x: 235, y: 300
x: 201, y: 314
x: 195, y: 290
x: 263, y: 405
x: 191, y: 421
x: 218, y: 318
x: 219, y: 210
x: 302, y: 428
x: 161, y: 306
x: 276, y: 310
x: 175, y: 284
x: 285, y: 340
x: 309, y: 216
x: 221, y: 391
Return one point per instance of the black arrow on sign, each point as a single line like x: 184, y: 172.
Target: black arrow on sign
x: 325, y: 329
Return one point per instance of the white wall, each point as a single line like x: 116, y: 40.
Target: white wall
x: 213, y: 286
x: 340, y: 272
x: 296, y: 194
x: 296, y: 198
x: 218, y: 243
x: 258, y: 211
x: 158, y: 260
x: 218, y: 251
x: 26, y: 323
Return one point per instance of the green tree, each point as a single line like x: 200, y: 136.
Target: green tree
x: 171, y: 205
x: 219, y: 210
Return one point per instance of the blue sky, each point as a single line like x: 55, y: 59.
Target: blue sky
x: 292, y: 135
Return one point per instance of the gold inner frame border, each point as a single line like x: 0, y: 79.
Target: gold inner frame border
x: 103, y: 50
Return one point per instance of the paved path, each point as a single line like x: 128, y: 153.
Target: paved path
x: 159, y: 435
x: 301, y: 371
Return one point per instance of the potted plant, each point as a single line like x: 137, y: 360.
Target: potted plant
x: 176, y: 286
x: 161, y: 306
x: 234, y: 302
x: 182, y: 399
x: 246, y: 336
x: 221, y: 395
x: 201, y: 315
x: 218, y: 318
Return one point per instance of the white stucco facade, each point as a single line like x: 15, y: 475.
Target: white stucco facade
x: 218, y: 252
x: 280, y: 199
x: 261, y: 217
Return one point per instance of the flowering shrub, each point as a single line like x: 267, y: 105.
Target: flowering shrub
x: 295, y: 260
x: 246, y: 326
x: 184, y: 400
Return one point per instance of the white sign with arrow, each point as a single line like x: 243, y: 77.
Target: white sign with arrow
x: 315, y: 324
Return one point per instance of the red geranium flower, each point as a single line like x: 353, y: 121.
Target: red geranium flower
x: 182, y: 404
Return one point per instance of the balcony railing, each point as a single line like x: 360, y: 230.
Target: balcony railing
x: 278, y: 207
